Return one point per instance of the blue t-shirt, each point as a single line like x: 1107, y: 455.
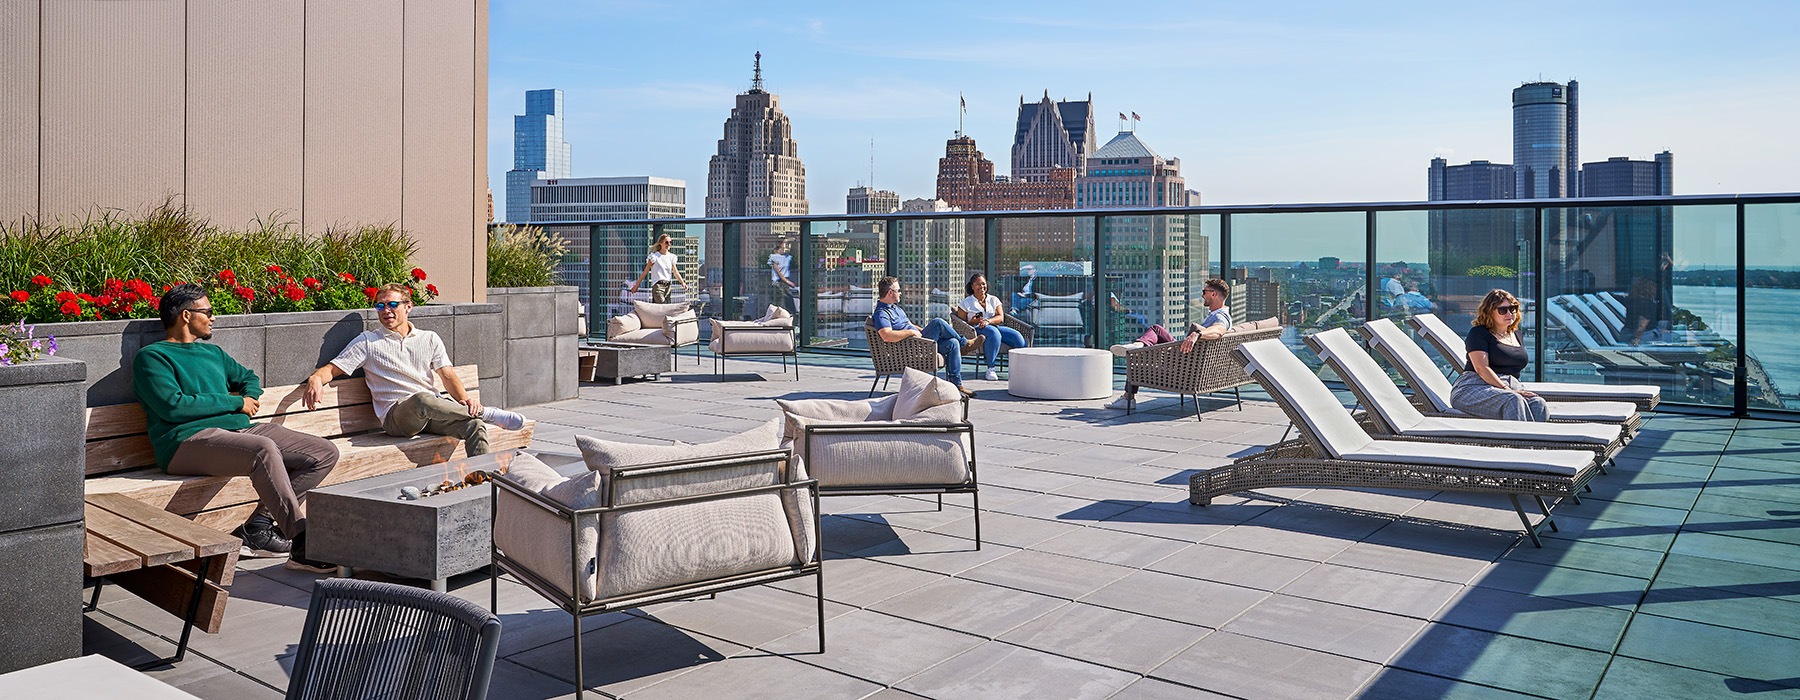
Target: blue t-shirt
x: 891, y: 316
x: 1217, y: 317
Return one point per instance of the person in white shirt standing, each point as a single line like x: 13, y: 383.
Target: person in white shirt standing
x: 403, y: 365
x: 982, y: 312
x: 659, y: 266
x: 781, y: 277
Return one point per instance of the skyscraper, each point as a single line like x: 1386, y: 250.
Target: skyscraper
x: 1145, y: 254
x: 868, y: 200
x: 1623, y: 177
x: 1461, y: 239
x: 539, y: 151
x: 1619, y: 246
x: 1545, y: 144
x: 966, y: 180
x: 1126, y: 173
x: 622, y: 248
x: 757, y: 172
x: 1051, y: 135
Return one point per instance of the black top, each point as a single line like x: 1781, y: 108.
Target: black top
x: 1502, y: 358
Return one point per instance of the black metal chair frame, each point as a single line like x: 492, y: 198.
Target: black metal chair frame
x: 487, y: 633
x: 971, y: 487
x: 578, y: 608
x: 719, y: 357
x: 204, y: 570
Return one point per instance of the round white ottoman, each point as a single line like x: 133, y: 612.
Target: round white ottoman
x: 1060, y: 373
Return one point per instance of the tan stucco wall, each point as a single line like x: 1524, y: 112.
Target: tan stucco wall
x: 325, y: 112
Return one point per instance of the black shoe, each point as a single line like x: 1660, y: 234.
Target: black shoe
x: 297, y: 560
x: 261, y: 540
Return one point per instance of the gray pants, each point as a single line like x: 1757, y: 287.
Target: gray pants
x: 1478, y: 398
x: 282, y: 465
x: 431, y: 413
x: 659, y: 291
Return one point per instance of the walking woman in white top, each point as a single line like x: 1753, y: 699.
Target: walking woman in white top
x: 982, y: 311
x: 660, y: 267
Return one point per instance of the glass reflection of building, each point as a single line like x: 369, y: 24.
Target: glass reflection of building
x: 1146, y: 255
x: 622, y: 248
x: 1460, y: 241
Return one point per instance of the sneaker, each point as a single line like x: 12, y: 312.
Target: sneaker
x: 261, y: 540
x: 993, y: 376
x: 297, y: 560
x: 503, y: 418
x: 1122, y: 403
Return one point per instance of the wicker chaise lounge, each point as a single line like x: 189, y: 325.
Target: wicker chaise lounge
x: 1450, y: 345
x: 1333, y: 450
x: 1205, y: 369
x: 1431, y: 391
x: 1390, y: 413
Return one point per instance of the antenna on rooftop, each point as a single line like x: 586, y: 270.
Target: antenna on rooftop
x: 962, y: 110
x: 756, y: 83
x: 871, y: 162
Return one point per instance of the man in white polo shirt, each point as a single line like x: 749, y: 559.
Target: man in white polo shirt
x: 403, y: 365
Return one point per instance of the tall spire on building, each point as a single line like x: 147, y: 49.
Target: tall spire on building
x: 756, y: 82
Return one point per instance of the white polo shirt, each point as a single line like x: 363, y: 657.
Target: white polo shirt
x: 394, y: 365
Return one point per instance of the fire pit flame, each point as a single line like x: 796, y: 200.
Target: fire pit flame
x: 473, y: 478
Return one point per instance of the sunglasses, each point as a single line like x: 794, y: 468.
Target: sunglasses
x: 208, y: 311
x: 388, y: 305
x: 1506, y: 309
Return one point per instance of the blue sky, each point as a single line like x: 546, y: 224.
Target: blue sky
x: 1269, y: 102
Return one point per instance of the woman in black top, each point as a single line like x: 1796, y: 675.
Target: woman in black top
x: 1490, y: 388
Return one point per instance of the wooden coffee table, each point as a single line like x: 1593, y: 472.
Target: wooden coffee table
x: 616, y: 361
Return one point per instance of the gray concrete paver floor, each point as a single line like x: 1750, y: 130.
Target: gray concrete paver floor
x: 1679, y: 575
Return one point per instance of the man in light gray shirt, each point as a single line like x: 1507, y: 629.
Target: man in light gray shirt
x: 403, y: 365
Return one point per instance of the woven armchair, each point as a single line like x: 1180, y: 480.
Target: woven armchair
x: 975, y: 350
x: 1205, y: 369
x: 365, y: 639
x: 891, y: 359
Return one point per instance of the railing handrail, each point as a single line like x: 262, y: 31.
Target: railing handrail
x: 1304, y: 208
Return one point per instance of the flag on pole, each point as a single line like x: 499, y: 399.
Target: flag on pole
x: 1121, y: 116
x: 1135, y: 117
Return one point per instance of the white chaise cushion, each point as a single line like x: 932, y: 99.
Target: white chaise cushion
x: 1630, y: 392
x: 1499, y: 459
x: 1421, y: 373
x: 1484, y: 429
x: 1336, y: 347
x: 1280, y: 371
x: 1591, y: 411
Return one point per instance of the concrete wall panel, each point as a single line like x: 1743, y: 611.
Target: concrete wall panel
x: 353, y: 124
x: 439, y: 133
x: 112, y: 104
x: 245, y: 101
x: 18, y: 110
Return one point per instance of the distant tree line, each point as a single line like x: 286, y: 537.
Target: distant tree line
x: 1788, y: 279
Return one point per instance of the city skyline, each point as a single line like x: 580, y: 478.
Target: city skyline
x: 1260, y: 108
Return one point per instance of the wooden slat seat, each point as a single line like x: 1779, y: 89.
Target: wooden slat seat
x: 120, y: 460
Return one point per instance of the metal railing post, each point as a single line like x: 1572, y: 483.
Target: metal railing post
x: 596, y: 303
x: 802, y: 270
x: 1102, y: 316
x: 1740, y: 389
x: 1369, y: 273
x: 731, y: 272
x: 1540, y: 287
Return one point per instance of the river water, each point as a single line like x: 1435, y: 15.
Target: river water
x: 1770, y: 316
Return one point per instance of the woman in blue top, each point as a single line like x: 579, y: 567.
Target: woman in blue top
x: 1490, y: 388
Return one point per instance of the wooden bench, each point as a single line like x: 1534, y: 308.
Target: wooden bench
x: 175, y: 564
x: 120, y: 459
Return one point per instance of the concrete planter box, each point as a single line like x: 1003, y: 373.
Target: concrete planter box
x: 41, y: 528
x: 364, y: 524
x: 542, y: 325
x: 282, y: 348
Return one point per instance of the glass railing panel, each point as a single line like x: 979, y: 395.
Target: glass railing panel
x: 1045, y: 269
x: 1147, y: 280
x: 1444, y: 262
x: 1305, y: 269
x: 931, y: 259
x: 1642, y: 295
x: 1771, y: 296
x: 848, y: 258
x: 765, y: 252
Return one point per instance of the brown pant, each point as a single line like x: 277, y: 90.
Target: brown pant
x: 431, y: 413
x: 282, y: 464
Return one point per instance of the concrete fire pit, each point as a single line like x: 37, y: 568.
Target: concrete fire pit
x: 365, y: 524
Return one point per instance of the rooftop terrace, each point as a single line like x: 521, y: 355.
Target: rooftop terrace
x: 1679, y: 576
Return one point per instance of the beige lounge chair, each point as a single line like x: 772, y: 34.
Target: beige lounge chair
x: 1334, y: 451
x: 1449, y: 345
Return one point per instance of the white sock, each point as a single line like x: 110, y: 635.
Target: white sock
x: 502, y: 417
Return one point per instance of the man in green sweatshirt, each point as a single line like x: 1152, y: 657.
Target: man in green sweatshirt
x: 197, y: 405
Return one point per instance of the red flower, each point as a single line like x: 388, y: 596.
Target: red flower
x: 347, y: 277
x: 70, y: 308
x: 41, y: 281
x: 247, y: 293
x: 228, y: 277
x: 370, y: 292
x: 312, y: 283
x: 295, y: 293
x: 431, y: 289
x: 129, y: 298
x: 275, y: 269
x: 140, y: 288
x: 89, y: 298
x: 418, y: 274
x: 104, y: 300
x: 113, y: 287
x: 21, y: 296
x: 64, y: 297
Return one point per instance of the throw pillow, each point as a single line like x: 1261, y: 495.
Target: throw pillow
x: 604, y: 455
x: 919, y: 391
x: 531, y: 474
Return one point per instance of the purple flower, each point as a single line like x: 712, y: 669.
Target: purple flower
x: 52, y: 349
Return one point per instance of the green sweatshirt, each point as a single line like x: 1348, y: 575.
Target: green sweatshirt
x: 187, y: 388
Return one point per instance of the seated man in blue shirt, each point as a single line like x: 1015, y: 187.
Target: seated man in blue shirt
x: 893, y: 326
